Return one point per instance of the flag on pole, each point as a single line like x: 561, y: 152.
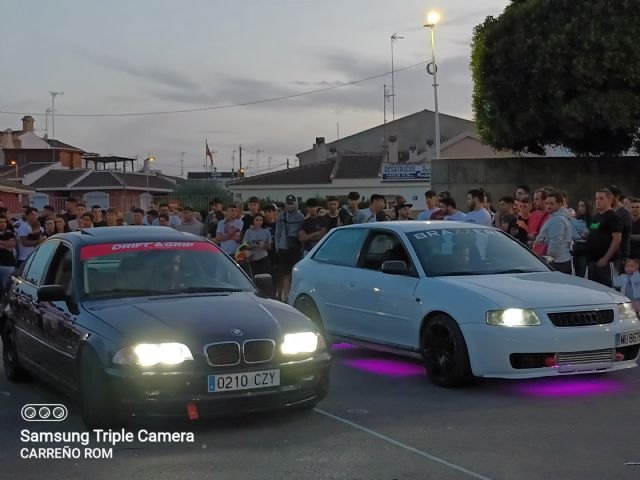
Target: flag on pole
x: 208, y: 152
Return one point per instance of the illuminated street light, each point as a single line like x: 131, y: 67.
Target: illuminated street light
x: 15, y: 164
x: 433, y: 18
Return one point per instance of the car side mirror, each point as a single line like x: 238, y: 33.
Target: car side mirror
x: 52, y: 293
x: 395, y: 267
x: 264, y: 282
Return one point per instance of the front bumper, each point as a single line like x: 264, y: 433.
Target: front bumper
x: 496, y: 351
x: 167, y: 393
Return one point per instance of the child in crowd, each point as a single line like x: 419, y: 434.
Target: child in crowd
x: 629, y: 282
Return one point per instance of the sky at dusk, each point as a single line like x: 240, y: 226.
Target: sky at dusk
x: 149, y: 56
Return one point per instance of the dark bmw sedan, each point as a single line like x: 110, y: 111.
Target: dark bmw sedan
x: 150, y: 321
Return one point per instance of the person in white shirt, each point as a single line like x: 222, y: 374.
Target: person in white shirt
x: 30, y: 234
x: 477, y: 213
x: 453, y: 213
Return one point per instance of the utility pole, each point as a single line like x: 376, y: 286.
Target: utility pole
x: 287, y: 164
x: 233, y: 163
x: 240, y: 161
x: 386, y: 99
x: 46, y: 121
x: 258, y: 152
x: 53, y: 122
x: 182, y: 164
x: 394, y: 38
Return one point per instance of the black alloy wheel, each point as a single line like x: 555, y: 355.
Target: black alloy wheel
x: 445, y: 353
x: 13, y: 370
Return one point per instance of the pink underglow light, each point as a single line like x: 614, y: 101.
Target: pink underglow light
x: 568, y: 387
x: 342, y: 346
x: 388, y: 367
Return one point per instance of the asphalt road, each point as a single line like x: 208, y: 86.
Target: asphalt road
x: 382, y: 420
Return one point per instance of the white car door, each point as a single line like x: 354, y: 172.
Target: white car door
x: 384, y: 307
x: 329, y: 271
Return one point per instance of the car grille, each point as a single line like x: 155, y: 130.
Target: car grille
x: 257, y: 351
x: 220, y: 354
x: 581, y: 319
x: 591, y: 356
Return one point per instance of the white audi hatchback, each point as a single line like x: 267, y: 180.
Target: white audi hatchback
x: 469, y: 300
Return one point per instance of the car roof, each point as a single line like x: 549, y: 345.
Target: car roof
x: 407, y: 226
x: 97, y: 235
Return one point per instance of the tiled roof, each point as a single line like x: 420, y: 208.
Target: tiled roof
x: 98, y: 179
x: 359, y: 166
x: 139, y: 180
x: 57, y: 179
x: 316, y: 173
x: 9, y: 171
x: 13, y: 187
x: 61, y: 145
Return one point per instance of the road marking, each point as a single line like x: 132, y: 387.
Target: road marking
x: 635, y: 464
x: 390, y: 440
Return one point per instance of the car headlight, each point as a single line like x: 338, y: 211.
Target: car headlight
x: 512, y: 317
x: 627, y: 312
x: 303, y: 342
x: 149, y: 354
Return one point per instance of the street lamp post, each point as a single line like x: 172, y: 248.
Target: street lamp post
x: 394, y: 38
x: 147, y: 168
x: 432, y: 68
x: 53, y: 122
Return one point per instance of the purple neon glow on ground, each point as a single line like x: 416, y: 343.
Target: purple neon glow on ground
x: 568, y: 387
x: 385, y: 366
x: 342, y: 346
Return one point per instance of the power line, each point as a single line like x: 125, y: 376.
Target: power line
x: 219, y: 107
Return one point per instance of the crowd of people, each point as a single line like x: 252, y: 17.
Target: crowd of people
x: 598, y: 239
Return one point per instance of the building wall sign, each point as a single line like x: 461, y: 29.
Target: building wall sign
x: 397, y: 172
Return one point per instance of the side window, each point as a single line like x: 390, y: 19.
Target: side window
x: 60, y: 270
x: 383, y: 247
x: 39, y: 263
x: 342, y: 247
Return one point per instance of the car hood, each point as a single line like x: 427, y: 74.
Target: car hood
x: 199, y: 319
x: 535, y: 290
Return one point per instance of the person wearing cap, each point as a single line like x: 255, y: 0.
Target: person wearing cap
x: 397, y: 201
x: 431, y: 199
x: 254, y: 208
x: 287, y: 242
x: 349, y: 212
x: 627, y: 221
x: 375, y: 212
x: 313, y: 228
x: 403, y: 211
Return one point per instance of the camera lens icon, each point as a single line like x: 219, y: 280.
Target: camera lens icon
x: 38, y: 412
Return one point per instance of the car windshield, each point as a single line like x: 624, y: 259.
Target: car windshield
x: 472, y: 251
x: 158, y: 268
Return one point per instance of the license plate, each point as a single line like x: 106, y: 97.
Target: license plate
x: 243, y: 381
x: 631, y: 338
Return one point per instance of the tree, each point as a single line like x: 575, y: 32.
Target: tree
x: 559, y: 72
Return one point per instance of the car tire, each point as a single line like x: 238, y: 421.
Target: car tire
x: 445, y: 353
x: 13, y: 370
x: 96, y: 399
x: 307, y: 306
